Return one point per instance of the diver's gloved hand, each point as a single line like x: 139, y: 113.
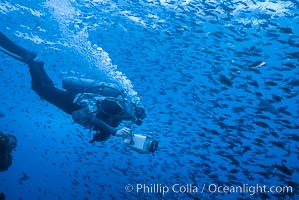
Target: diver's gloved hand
x: 124, y: 132
x: 99, y: 137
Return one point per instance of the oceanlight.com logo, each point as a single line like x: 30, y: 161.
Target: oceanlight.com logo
x: 207, y: 188
x: 245, y: 188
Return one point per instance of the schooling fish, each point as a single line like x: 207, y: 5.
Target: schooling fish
x: 285, y: 30
x: 268, y: 106
x: 262, y: 124
x: 283, y: 110
x: 290, y: 65
x: 23, y: 178
x: 225, y: 81
x: 293, y: 55
x: 257, y: 64
x: 270, y: 83
x: 278, y: 144
x: 276, y: 98
x: 294, y: 82
x: 284, y: 169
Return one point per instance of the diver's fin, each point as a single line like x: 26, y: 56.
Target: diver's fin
x: 12, y: 54
x: 15, y: 51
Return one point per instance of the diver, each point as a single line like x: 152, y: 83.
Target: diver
x: 2, y: 196
x: 7, y: 144
x: 98, y: 106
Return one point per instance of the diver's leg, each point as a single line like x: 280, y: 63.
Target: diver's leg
x: 39, y: 75
x: 14, y: 50
x: 44, y: 87
x: 40, y: 81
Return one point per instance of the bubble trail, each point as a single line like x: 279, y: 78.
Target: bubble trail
x: 76, y: 36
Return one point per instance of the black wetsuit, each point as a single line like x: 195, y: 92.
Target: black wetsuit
x: 40, y: 81
x: 44, y: 87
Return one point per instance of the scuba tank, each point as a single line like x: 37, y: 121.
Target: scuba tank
x: 82, y: 85
x: 74, y: 84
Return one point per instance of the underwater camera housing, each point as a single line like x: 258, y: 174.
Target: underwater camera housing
x: 141, y: 143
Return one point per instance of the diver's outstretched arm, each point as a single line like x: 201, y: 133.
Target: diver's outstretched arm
x: 15, y: 51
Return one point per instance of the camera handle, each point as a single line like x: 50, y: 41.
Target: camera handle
x: 131, y: 132
x: 131, y: 137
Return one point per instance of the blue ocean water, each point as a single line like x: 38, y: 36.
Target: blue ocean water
x: 219, y: 81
